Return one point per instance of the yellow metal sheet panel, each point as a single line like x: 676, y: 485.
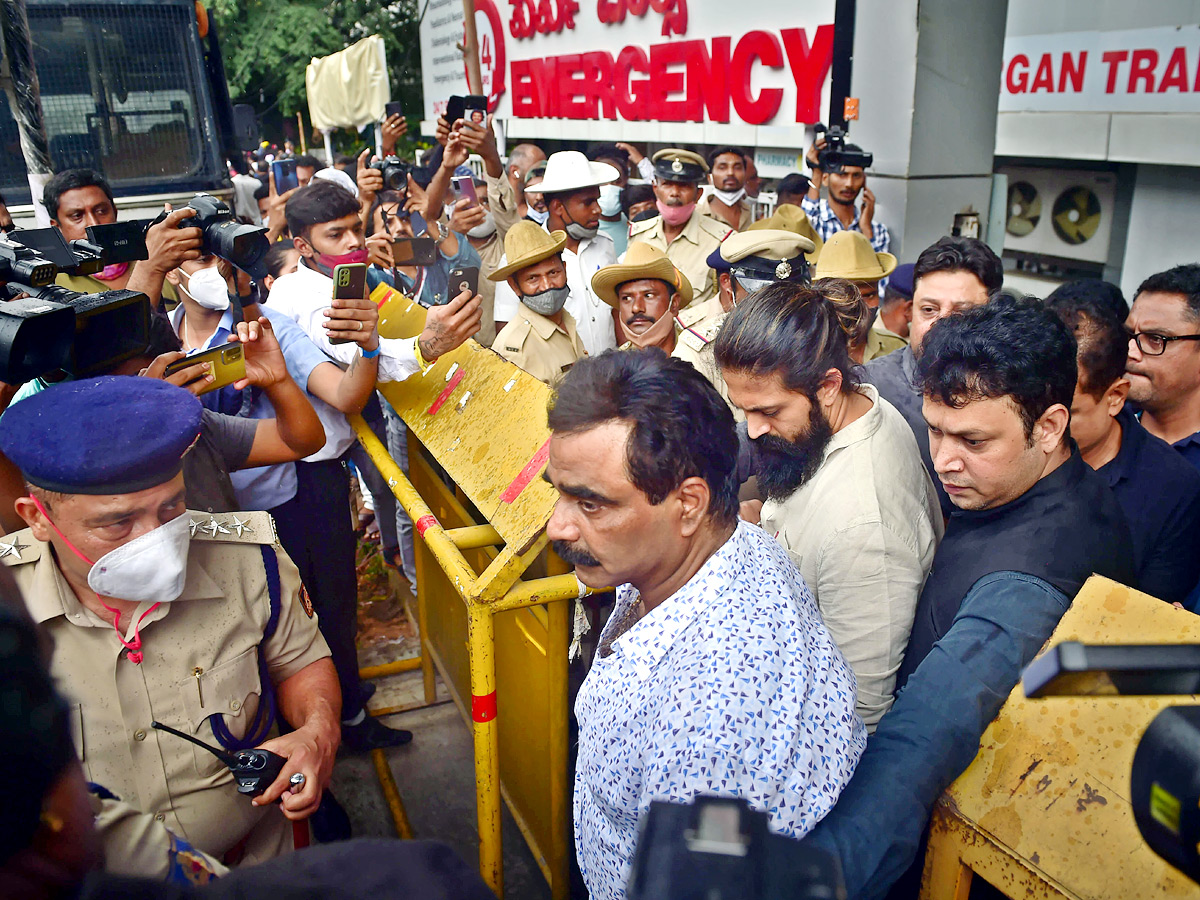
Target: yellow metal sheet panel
x: 1051, y: 781
x: 484, y: 420
x: 531, y: 682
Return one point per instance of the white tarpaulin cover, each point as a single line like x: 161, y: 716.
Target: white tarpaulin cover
x: 348, y: 89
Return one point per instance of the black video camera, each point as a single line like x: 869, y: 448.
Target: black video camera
x: 835, y: 156
x: 395, y: 172
x: 224, y: 236
x: 253, y: 770
x: 52, y: 329
x: 718, y: 848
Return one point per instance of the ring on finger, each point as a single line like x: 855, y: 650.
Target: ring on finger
x: 358, y: 326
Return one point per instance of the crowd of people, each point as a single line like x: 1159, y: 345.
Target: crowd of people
x: 842, y: 500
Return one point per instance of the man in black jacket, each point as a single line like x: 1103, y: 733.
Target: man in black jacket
x: 1031, y: 522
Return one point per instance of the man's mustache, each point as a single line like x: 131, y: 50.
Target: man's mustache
x: 575, y: 557
x: 633, y: 320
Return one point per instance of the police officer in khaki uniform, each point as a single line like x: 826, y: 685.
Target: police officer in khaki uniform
x: 160, y: 613
x: 646, y: 291
x: 744, y: 263
x: 680, y: 229
x: 541, y: 338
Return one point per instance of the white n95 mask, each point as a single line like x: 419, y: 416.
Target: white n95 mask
x: 151, y: 568
x: 207, y: 287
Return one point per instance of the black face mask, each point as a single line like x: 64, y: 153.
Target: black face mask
x: 644, y: 215
x: 785, y: 466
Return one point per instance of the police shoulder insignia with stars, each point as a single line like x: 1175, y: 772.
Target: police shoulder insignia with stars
x: 232, y: 527
x: 719, y: 230
x: 19, y: 548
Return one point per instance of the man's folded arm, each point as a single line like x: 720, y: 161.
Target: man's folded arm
x: 931, y: 734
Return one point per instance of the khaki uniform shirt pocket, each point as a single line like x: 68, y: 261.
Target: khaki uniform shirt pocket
x: 230, y: 689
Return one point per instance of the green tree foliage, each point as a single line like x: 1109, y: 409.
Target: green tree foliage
x: 267, y: 44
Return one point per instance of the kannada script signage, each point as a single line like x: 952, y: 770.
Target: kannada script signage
x: 666, y: 61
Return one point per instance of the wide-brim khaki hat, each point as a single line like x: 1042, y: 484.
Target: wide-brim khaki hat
x: 525, y: 244
x: 570, y: 170
x: 789, y: 217
x: 849, y: 255
x: 641, y: 261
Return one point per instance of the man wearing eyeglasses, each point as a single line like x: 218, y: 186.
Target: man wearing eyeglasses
x: 1164, y: 357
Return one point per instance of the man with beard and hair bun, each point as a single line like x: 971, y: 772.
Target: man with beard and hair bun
x: 541, y: 338
x: 847, y: 495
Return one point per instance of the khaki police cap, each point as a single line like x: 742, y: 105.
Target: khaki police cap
x: 674, y: 164
x: 641, y: 261
x: 527, y: 244
x: 765, y: 243
x: 849, y: 255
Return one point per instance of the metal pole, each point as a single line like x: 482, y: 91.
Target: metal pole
x: 843, y: 61
x: 25, y: 100
x: 303, y: 137
x: 471, y: 48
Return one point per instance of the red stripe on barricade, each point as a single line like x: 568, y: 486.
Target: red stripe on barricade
x: 532, y: 469
x: 483, y: 709
x: 424, y: 523
x: 445, y: 394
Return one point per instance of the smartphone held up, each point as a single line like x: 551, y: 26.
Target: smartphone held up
x: 349, y: 283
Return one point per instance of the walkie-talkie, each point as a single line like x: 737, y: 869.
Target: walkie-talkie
x: 253, y: 770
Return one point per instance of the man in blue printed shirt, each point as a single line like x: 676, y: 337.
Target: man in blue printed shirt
x: 714, y: 674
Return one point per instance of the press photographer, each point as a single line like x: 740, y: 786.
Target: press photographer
x: 78, y: 198
x: 841, y: 168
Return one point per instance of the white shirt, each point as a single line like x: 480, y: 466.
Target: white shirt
x: 731, y: 686
x: 303, y: 295
x: 593, y: 317
x: 863, y: 531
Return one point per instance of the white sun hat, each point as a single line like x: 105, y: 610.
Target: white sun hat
x: 570, y: 170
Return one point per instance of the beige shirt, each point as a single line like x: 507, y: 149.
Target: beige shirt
x: 535, y: 344
x: 695, y: 344
x: 689, y: 251
x: 489, y: 255
x: 502, y: 201
x: 200, y: 659
x: 863, y: 531
x: 745, y: 214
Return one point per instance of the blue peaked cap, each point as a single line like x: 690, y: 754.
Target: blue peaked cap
x: 113, y: 435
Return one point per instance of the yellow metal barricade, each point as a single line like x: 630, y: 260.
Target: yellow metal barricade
x: 478, y: 444
x: 1044, y: 809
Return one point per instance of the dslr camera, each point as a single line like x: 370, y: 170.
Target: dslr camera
x: 52, y: 331
x: 837, y: 154
x: 224, y: 236
x: 395, y: 172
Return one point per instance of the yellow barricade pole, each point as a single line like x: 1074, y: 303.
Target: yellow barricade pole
x: 489, y: 632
